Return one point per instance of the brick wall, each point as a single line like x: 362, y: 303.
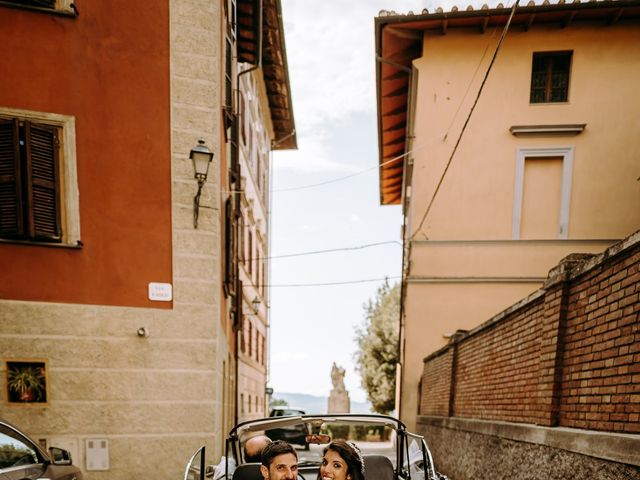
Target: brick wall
x: 437, y: 376
x: 568, y: 355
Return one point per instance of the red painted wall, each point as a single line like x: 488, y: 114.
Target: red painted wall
x: 109, y: 67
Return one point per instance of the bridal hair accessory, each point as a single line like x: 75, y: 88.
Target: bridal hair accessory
x: 358, y: 454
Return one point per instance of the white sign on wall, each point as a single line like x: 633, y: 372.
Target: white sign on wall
x: 97, y: 454
x: 160, y: 292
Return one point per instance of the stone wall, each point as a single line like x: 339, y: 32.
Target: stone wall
x: 480, y: 449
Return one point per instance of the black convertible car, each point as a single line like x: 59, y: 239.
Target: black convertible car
x: 389, y: 451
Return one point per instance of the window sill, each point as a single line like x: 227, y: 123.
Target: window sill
x: 76, y: 246
x: 62, y: 12
x: 567, y: 129
x: 546, y: 104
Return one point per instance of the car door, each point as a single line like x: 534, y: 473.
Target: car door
x: 19, y: 457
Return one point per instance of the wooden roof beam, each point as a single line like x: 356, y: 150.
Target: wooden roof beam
x: 529, y: 22
x: 616, y: 16
x: 484, y: 24
x: 568, y: 19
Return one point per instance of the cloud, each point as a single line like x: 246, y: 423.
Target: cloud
x: 331, y: 56
x: 313, y: 159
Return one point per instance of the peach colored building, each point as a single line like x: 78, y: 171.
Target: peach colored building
x: 547, y: 164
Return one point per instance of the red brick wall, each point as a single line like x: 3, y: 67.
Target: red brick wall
x: 601, y: 366
x: 569, y: 355
x: 437, y: 379
x: 497, y: 370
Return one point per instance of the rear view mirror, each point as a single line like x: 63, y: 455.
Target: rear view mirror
x: 59, y: 456
x: 195, y: 467
x: 318, y: 439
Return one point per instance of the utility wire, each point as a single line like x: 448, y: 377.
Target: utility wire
x: 331, y: 250
x: 348, y: 282
x: 464, y: 127
x: 339, y: 179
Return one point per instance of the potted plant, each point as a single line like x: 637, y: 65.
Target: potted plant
x: 26, y: 383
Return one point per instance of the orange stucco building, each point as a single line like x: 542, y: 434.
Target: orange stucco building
x: 128, y: 295
x: 495, y: 194
x: 112, y: 78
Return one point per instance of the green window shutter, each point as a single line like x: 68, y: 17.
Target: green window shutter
x: 43, y: 197
x: 11, y: 223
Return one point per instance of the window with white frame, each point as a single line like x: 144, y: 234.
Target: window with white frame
x: 542, y: 193
x: 38, y: 179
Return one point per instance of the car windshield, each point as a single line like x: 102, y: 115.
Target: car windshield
x: 372, y: 438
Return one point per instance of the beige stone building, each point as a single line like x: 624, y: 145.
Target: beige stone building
x: 125, y: 295
x: 547, y: 163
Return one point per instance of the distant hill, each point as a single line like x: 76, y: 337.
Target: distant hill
x: 316, y: 404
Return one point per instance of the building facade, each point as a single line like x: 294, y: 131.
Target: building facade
x: 117, y: 290
x: 264, y: 123
x: 496, y: 188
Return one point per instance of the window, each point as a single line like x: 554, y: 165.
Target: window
x: 250, y: 255
x: 38, y: 179
x: 63, y: 7
x: 16, y: 451
x: 550, y: 77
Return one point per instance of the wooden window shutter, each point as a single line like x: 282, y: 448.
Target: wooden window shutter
x: 11, y: 216
x: 228, y: 252
x: 238, y: 317
x: 43, y: 199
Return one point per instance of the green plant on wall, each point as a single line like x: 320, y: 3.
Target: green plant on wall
x: 26, y: 382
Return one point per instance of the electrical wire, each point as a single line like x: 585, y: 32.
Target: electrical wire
x: 331, y: 250
x: 464, y: 127
x: 329, y: 284
x: 339, y: 179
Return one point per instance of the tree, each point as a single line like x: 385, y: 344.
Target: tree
x: 377, y: 338
x: 278, y: 402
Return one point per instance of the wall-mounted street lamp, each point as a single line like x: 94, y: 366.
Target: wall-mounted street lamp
x: 201, y: 156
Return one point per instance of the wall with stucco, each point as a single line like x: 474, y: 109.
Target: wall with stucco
x: 465, y: 264
x: 111, y: 72
x: 256, y: 135
x: 154, y: 399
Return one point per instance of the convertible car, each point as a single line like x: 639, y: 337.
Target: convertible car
x: 389, y: 451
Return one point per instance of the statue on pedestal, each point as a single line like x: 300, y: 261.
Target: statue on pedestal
x: 339, y: 397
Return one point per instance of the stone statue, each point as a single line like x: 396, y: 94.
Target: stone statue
x: 337, y: 377
x: 339, y: 397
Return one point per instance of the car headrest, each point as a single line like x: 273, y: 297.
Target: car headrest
x: 377, y: 467
x: 247, y: 471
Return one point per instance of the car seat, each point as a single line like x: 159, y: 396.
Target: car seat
x: 377, y: 467
x: 247, y: 471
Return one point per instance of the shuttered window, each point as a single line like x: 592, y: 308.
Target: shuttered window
x: 29, y: 181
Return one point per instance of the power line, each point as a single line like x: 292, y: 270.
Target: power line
x: 327, y: 284
x: 464, y: 127
x: 331, y: 250
x: 339, y: 179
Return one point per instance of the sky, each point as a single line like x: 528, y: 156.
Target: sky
x: 330, y: 52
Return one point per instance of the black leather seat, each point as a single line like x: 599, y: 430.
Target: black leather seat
x: 247, y: 471
x: 378, y: 467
